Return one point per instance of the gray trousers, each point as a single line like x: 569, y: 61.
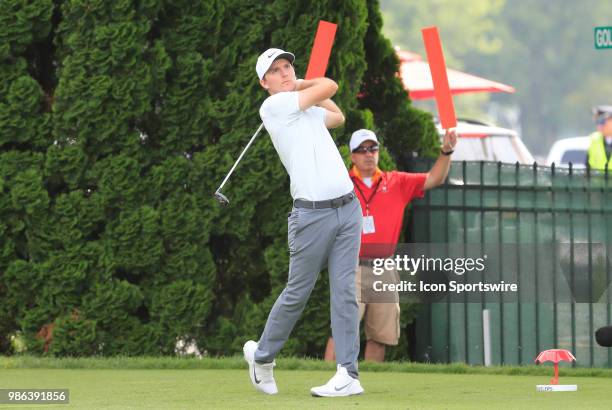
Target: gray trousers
x: 319, y: 237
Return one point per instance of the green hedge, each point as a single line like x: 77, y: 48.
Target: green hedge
x: 117, y: 122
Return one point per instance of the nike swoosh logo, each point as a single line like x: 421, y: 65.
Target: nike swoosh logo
x: 340, y: 388
x: 270, y: 55
x: 255, y: 376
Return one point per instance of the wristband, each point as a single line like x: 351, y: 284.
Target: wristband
x: 446, y: 153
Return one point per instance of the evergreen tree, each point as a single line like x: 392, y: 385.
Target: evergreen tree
x: 117, y: 122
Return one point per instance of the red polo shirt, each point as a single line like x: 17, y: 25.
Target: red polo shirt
x: 385, y: 201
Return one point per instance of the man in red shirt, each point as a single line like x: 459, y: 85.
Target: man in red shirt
x: 383, y: 197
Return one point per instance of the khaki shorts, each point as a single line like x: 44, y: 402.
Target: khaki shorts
x: 381, y: 320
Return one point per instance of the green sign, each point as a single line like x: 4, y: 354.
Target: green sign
x: 603, y: 37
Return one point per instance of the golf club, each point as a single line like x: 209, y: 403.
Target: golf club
x: 222, y: 199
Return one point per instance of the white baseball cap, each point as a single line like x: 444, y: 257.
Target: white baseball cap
x: 360, y: 136
x: 265, y: 60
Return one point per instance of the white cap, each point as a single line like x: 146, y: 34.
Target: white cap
x: 265, y: 60
x: 360, y: 136
x: 602, y: 112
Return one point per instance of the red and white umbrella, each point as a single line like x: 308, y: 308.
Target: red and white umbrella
x: 416, y: 77
x: 555, y: 356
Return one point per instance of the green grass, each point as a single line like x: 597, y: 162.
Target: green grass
x: 285, y: 363
x: 165, y: 383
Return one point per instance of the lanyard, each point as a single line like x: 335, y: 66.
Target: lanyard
x: 368, y: 200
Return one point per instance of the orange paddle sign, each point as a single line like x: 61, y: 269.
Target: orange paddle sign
x: 321, y: 49
x: 437, y: 66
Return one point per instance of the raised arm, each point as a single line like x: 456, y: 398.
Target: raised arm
x: 333, y: 117
x: 315, y: 91
x: 319, y: 92
x: 439, y: 171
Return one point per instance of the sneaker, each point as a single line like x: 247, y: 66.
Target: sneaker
x: 340, y: 385
x: 261, y: 374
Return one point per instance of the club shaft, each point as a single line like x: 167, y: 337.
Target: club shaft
x: 240, y: 157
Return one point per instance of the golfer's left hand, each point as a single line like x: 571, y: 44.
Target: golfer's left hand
x: 450, y: 140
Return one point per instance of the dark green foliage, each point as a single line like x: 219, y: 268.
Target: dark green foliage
x: 117, y: 122
x: 73, y: 336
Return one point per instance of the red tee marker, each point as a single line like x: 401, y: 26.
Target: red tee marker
x: 437, y: 66
x: 321, y: 49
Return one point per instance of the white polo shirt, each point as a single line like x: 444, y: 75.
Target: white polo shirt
x: 305, y: 148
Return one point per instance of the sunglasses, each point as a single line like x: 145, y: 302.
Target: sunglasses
x: 362, y: 150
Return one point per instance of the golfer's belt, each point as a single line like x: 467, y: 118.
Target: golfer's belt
x: 366, y: 262
x: 329, y: 203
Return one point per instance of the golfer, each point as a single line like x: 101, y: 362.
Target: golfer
x: 324, y: 226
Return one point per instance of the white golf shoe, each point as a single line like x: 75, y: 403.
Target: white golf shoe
x: 340, y: 385
x: 261, y: 375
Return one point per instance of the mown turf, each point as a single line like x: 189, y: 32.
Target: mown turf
x: 285, y: 363
x: 229, y: 388
x: 166, y: 383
